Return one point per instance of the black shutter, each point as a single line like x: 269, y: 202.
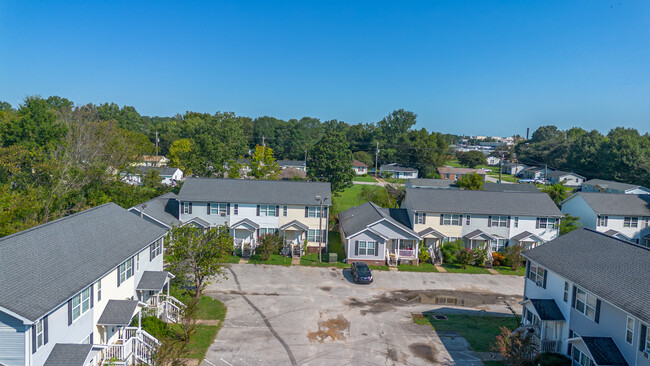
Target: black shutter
x: 573, y: 297
x: 460, y: 220
x: 92, y: 296
x: 118, y: 275
x: 306, y: 211
x: 597, y: 316
x: 45, y: 330
x: 91, y: 337
x: 277, y: 211
x: 208, y: 206
x: 442, y: 217
x: 228, y: 209
x: 424, y: 218
x: 508, y: 221
x: 356, y: 247
x: 34, y: 338
x: 70, y: 310
x: 190, y: 208
x: 644, y: 330
x: 258, y: 210
x: 324, y: 212
x: 527, y: 269
x: 376, y: 249
x: 132, y: 265
x: 537, y: 223
x: 545, y: 276
x: 489, y: 221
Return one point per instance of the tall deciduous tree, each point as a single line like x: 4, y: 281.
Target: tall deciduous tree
x: 473, y: 182
x: 331, y: 161
x: 180, y: 155
x: 263, y: 164
x: 472, y: 158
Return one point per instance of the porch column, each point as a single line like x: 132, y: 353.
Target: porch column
x: 140, y: 319
x: 397, y: 249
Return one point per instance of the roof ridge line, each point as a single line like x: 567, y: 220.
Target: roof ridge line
x: 621, y: 240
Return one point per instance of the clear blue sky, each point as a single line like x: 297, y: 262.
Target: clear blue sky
x: 488, y: 67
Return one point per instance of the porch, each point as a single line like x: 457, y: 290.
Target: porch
x: 432, y: 240
x: 153, y: 289
x: 527, y: 240
x: 543, y: 318
x: 294, y: 234
x: 244, y: 237
x: 401, y: 250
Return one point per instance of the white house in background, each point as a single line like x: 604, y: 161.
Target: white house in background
x: 493, y: 160
x: 168, y: 176
x: 452, y: 173
x: 625, y: 216
x: 568, y: 178
x: 71, y: 288
x: 431, y: 183
x: 586, y: 296
x: 359, y: 167
x: 534, y: 172
x: 295, y: 164
x: 608, y: 186
x: 398, y: 171
x: 513, y: 168
x: 252, y: 208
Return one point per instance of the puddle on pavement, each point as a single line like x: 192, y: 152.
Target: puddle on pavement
x: 332, y: 329
x: 424, y: 351
x: 388, y: 301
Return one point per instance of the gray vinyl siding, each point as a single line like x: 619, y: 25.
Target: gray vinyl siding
x: 366, y: 235
x: 200, y: 210
x: 12, y: 341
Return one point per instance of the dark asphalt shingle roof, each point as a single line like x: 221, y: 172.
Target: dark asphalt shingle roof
x: 152, y: 280
x: 441, y: 183
x: 547, y: 309
x: 393, y: 167
x: 511, y: 188
x: 604, y: 351
x: 162, y: 208
x: 287, y: 163
x: 618, y: 204
x: 559, y: 173
x: 66, y: 354
x: 254, y: 191
x: 524, y: 235
x: 481, y: 202
x: 356, y: 219
x: 610, y: 184
x: 614, y: 270
x: 118, y: 312
x: 42, y: 267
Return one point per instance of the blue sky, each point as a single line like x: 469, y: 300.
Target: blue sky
x: 465, y: 67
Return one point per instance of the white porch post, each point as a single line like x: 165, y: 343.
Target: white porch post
x: 140, y: 319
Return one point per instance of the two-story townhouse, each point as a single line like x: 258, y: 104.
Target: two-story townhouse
x: 71, y: 287
x: 586, y: 295
x: 608, y: 186
x: 479, y: 218
x: 625, y: 216
x: 295, y: 210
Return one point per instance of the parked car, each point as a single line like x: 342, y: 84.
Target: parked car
x: 361, y: 272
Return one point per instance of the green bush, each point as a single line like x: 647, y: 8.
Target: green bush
x: 269, y: 244
x: 464, y: 257
x: 551, y: 359
x: 513, y: 257
x: 424, y: 255
x: 154, y: 326
x: 480, y: 256
x: 450, y: 250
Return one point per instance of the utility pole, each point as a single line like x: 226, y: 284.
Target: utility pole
x: 376, y: 157
x: 156, y: 142
x: 263, y: 141
x: 320, y: 201
x: 500, y: 167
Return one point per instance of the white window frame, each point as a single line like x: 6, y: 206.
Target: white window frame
x: 137, y: 262
x: 285, y: 211
x: 268, y: 230
x: 235, y: 209
x: 602, y: 221
x: 80, y: 304
x: 366, y: 247
x: 468, y: 220
x: 219, y: 209
x: 313, y: 211
x: 312, y: 235
x: 267, y: 210
x: 566, y: 291
x: 449, y: 239
x: 186, y: 207
x: 516, y: 221
x: 419, y: 218
x: 630, y: 221
x: 125, y: 270
x: 629, y: 331
x: 156, y: 248
x: 536, y: 274
x: 499, y: 221
x: 40, y: 334
x: 647, y: 341
x: 451, y: 220
x: 99, y: 290
x: 588, y: 304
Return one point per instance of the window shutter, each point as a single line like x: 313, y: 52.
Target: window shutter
x: 118, y: 276
x: 258, y: 210
x: 424, y: 218
x: 208, y: 206
x: 442, y: 217
x: 545, y: 276
x: 228, y: 209
x: 190, y: 208
x: 537, y: 223
x: 644, y: 330
x: 92, y: 296
x: 489, y: 221
x: 376, y: 249
x: 508, y: 221
x: 597, y: 316
x: 306, y: 211
x: 132, y: 265
x: 573, y: 297
x: 34, y: 338
x: 45, y: 330
x: 324, y: 213
x: 277, y: 211
x: 460, y: 220
x: 356, y: 247
x: 91, y: 337
x: 150, y: 253
x: 70, y: 310
x: 527, y: 269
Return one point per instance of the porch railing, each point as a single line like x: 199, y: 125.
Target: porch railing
x: 133, y: 346
x: 549, y: 346
x: 167, y: 308
x: 406, y: 252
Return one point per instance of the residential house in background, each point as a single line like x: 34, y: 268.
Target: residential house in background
x: 451, y: 173
x: 534, y: 172
x: 431, y: 183
x: 479, y: 218
x: 398, y: 171
x: 493, y: 160
x: 162, y: 210
x: 168, y: 176
x: 513, y: 168
x: 292, y: 173
x: 359, y: 167
x: 157, y: 161
x: 512, y: 188
x: 586, y: 296
x: 608, y: 186
x: 569, y: 179
x: 71, y: 288
x: 293, y: 164
x: 252, y: 208
x: 625, y: 216
x: 377, y: 235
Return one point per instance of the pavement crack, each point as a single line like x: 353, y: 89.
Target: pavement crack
x: 266, y: 321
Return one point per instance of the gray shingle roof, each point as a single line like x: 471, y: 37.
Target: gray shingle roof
x: 287, y: 163
x: 526, y: 234
x: 454, y: 170
x: 440, y: 183
x: 356, y: 219
x: 547, y: 309
x: 481, y: 202
x: 393, y: 167
x: 559, y: 173
x: 152, y: 280
x: 295, y: 223
x: 118, y: 312
x: 511, y: 188
x: 65, y: 354
x: 478, y: 232
x: 613, y: 269
x: 254, y: 191
x: 617, y: 204
x: 42, y: 267
x: 162, y: 208
x: 604, y: 351
x: 611, y: 184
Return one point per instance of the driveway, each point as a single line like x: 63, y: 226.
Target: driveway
x: 317, y: 316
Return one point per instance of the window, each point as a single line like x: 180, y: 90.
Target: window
x: 87, y: 339
x: 99, y: 290
x: 267, y: 230
x: 631, y: 222
x: 125, y: 270
x: 267, y: 210
x: 137, y: 262
x: 80, y: 303
x: 629, y: 330
x: 566, y: 291
x: 235, y: 209
x: 451, y: 220
x: 446, y: 176
x: 647, y: 342
x: 546, y: 222
x: 419, y: 217
x: 218, y: 209
x: 313, y: 235
x: 450, y: 239
x: 536, y: 274
x: 155, y: 249
x: 499, y: 221
x: 285, y: 211
x: 366, y: 248
x: 40, y: 334
x: 586, y: 303
x: 582, y: 359
x: 602, y: 220
x: 497, y: 245
x: 517, y: 221
x: 186, y: 207
x: 313, y: 211
x: 467, y: 221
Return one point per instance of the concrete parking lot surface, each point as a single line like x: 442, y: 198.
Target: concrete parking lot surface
x: 317, y: 316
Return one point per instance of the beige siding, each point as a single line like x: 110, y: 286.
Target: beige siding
x: 433, y: 221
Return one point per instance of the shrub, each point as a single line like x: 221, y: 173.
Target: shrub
x: 449, y: 251
x: 516, y: 348
x: 424, y: 255
x: 498, y: 259
x: 269, y: 244
x: 513, y: 256
x: 464, y: 257
x: 155, y: 327
x: 551, y: 359
x: 480, y: 256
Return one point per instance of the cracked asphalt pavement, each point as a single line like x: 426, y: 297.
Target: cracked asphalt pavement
x: 317, y: 316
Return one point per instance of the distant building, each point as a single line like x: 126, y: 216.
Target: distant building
x: 398, y: 171
x: 534, y: 172
x: 168, y: 176
x: 513, y: 168
x: 292, y: 173
x: 451, y: 173
x: 493, y: 160
x: 295, y: 164
x: 569, y: 179
x: 608, y: 186
x: 152, y: 160
x: 431, y: 183
x: 359, y: 167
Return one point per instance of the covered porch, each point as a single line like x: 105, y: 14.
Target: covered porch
x: 402, y: 250
x: 153, y: 289
x: 528, y: 240
x: 294, y: 234
x: 598, y: 351
x: 545, y: 321
x: 245, y: 240
x: 432, y: 240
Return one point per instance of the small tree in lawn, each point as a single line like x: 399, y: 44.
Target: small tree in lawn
x: 513, y: 256
x: 517, y: 348
x: 464, y: 257
x: 194, y: 255
x: 263, y: 164
x: 269, y: 244
x: 331, y: 161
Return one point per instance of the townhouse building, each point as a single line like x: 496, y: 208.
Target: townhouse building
x: 569, y: 179
x: 586, y: 296
x: 625, y: 216
x: 297, y: 211
x: 608, y: 186
x: 70, y: 288
x: 497, y: 219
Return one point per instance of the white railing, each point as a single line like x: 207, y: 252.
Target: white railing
x: 167, y: 308
x: 133, y: 345
x: 406, y: 252
x: 549, y: 346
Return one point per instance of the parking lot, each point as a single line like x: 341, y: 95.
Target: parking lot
x: 317, y: 316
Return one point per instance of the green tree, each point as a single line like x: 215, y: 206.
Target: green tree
x: 546, y: 133
x: 196, y: 256
x: 180, y: 155
x: 35, y: 125
x: 472, y: 159
x: 513, y: 256
x: 472, y: 182
x: 364, y: 157
x: 234, y: 169
x: 332, y: 162
x: 269, y: 244
x: 263, y: 164
x: 377, y: 195
x: 464, y: 257
x: 569, y: 223
x: 517, y: 348
x: 557, y: 192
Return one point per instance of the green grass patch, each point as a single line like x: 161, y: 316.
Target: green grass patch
x: 274, y: 259
x: 378, y: 268
x: 508, y: 271
x: 348, y: 198
x: 423, y: 267
x: 479, y: 330
x: 210, y: 308
x: 335, y: 245
x: 201, y: 340
x: 455, y: 268
x: 364, y: 178
x: 395, y: 180
x: 311, y: 260
x: 234, y: 259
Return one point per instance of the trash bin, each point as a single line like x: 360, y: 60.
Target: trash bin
x: 332, y: 257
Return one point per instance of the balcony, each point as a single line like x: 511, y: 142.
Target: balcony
x: 165, y: 307
x: 134, y: 346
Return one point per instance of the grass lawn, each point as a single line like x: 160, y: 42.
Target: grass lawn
x: 201, y: 340
x: 508, y: 271
x: 504, y: 177
x: 348, y: 198
x: 335, y: 245
x: 378, y: 268
x: 274, y: 259
x: 423, y: 267
x: 455, y: 268
x: 363, y: 178
x: 395, y: 180
x: 479, y: 330
x: 311, y: 260
x: 234, y: 259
